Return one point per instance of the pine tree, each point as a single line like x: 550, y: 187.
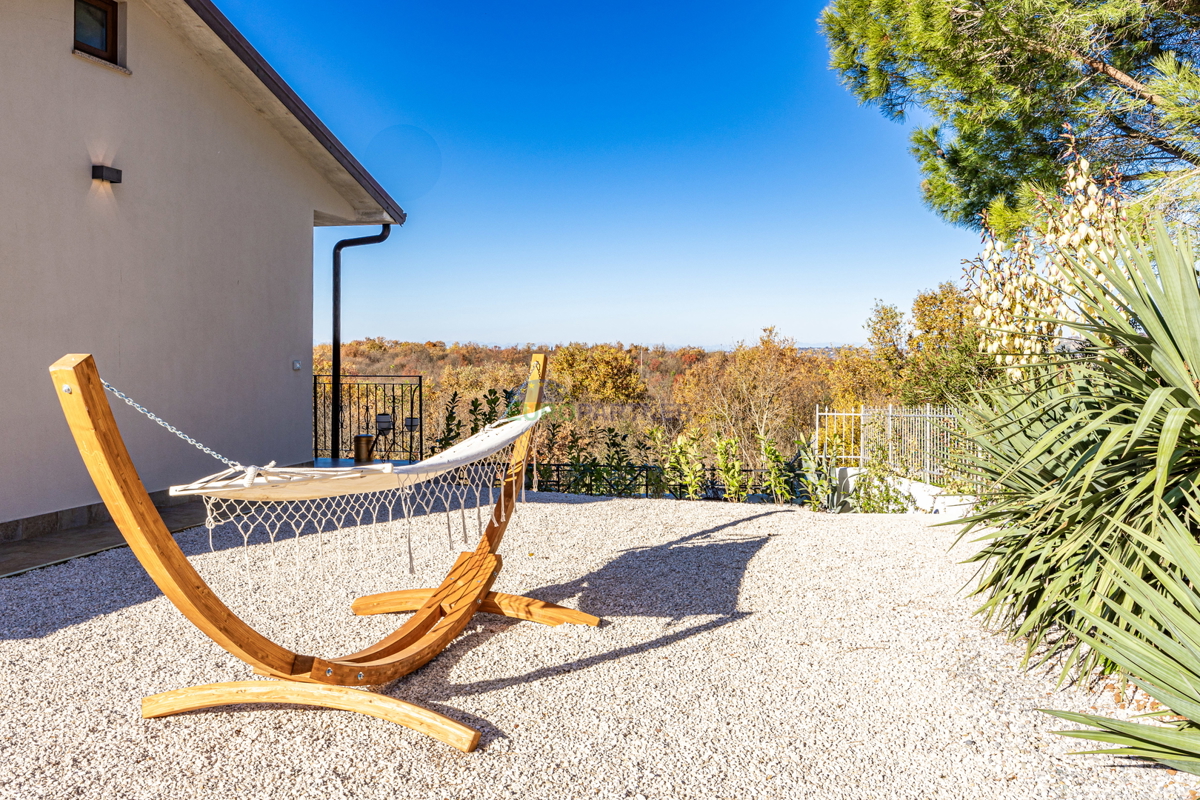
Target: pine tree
x: 1003, y: 79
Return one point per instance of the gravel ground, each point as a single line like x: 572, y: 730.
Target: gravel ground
x: 747, y: 652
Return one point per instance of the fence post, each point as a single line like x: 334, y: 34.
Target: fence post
x: 817, y: 432
x: 928, y: 440
x: 890, y: 457
x: 862, y: 436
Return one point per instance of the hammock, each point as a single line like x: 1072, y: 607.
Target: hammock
x: 495, y: 459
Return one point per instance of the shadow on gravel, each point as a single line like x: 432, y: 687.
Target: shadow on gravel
x: 697, y: 575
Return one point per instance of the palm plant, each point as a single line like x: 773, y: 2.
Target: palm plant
x: 1157, y: 641
x: 1094, y: 444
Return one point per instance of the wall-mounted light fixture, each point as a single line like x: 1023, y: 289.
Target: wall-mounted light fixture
x: 108, y: 174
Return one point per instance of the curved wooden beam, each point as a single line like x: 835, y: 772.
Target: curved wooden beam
x: 431, y: 629
x: 209, y: 695
x: 81, y: 392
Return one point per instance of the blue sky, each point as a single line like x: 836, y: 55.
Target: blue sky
x: 678, y: 173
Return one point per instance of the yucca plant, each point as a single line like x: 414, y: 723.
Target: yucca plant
x: 1092, y: 444
x: 1157, y: 641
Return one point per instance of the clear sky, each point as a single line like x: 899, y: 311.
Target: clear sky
x: 651, y: 172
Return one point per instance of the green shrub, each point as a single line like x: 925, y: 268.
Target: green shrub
x: 729, y: 469
x: 685, y: 466
x: 778, y: 478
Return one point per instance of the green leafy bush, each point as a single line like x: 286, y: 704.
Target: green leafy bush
x: 778, y: 478
x: 685, y: 466
x: 729, y: 469
x: 875, y: 493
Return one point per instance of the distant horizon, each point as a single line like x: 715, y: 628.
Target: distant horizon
x: 707, y: 349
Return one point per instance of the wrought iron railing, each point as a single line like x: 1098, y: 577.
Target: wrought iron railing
x: 634, y: 480
x: 363, y: 397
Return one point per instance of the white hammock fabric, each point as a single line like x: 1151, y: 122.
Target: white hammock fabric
x: 374, y: 503
x: 272, y: 484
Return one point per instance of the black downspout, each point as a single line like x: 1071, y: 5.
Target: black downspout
x: 335, y: 422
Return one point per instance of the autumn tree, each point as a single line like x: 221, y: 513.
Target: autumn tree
x: 944, y: 358
x: 928, y: 357
x: 856, y: 377
x: 769, y: 389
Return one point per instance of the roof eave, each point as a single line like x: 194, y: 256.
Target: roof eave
x: 371, y: 203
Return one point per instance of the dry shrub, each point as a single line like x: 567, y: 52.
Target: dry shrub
x: 601, y: 373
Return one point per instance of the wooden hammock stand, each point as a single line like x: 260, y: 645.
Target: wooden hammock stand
x: 441, y: 613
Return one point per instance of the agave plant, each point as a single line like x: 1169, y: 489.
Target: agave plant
x: 1093, y: 444
x: 1157, y: 641
x: 817, y: 475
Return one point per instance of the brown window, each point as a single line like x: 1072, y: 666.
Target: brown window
x: 96, y: 28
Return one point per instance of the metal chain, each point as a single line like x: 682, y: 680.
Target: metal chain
x: 172, y: 428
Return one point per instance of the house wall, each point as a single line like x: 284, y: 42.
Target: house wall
x: 190, y: 281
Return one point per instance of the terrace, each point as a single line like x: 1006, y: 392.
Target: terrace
x: 725, y: 538
x: 749, y: 651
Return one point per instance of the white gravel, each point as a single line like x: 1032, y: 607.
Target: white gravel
x: 747, y: 652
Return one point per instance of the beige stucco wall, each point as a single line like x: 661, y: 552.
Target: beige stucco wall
x: 190, y: 281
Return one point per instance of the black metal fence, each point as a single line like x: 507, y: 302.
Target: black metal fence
x: 637, y: 480
x: 364, y: 396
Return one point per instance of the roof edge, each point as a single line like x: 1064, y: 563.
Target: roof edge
x: 241, y: 47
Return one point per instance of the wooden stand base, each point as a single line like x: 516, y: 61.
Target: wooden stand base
x: 506, y: 605
x: 431, y: 723
x: 420, y: 719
